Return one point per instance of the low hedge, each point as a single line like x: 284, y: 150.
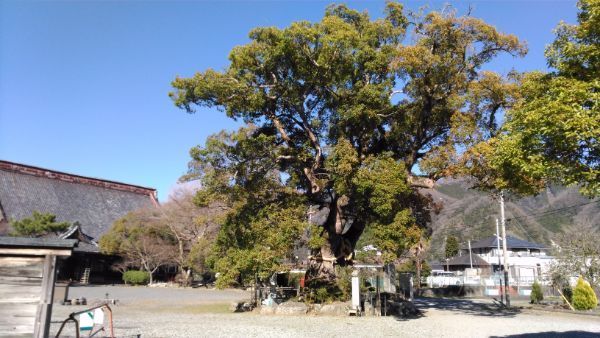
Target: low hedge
x: 136, y: 277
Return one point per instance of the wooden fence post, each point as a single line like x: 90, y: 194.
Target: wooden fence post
x: 44, y: 312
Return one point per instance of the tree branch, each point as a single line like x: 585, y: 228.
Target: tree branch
x: 394, y: 92
x: 420, y: 182
x: 279, y: 126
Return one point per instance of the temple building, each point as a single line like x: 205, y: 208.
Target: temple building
x: 90, y: 205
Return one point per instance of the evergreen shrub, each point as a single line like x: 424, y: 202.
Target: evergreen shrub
x: 536, y: 293
x: 136, y: 277
x: 584, y: 297
x: 568, y: 293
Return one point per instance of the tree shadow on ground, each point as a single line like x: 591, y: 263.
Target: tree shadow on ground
x: 400, y: 309
x: 407, y: 315
x: 466, y: 306
x: 554, y: 334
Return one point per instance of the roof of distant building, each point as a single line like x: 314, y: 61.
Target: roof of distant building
x: 511, y: 243
x: 94, y: 203
x: 85, y: 243
x: 466, y: 261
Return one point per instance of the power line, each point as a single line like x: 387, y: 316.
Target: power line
x: 487, y: 222
x: 529, y: 215
x: 552, y: 211
x: 522, y: 228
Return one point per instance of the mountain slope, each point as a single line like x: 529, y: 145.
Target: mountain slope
x: 470, y: 214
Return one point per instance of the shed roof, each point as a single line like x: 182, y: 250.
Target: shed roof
x: 45, y: 243
x: 94, y: 203
x: 511, y: 243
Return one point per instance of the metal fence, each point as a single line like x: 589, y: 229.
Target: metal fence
x: 488, y: 285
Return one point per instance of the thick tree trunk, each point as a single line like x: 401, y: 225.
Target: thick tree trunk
x: 338, y: 250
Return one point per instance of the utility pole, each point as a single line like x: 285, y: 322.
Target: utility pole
x: 499, y: 260
x: 470, y: 255
x: 503, y: 223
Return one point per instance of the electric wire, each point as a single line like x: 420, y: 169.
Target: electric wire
x: 522, y: 228
x: 552, y: 211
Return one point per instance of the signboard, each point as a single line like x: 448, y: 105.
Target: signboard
x: 88, y: 319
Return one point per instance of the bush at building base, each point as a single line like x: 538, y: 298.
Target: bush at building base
x: 584, y: 297
x: 136, y: 277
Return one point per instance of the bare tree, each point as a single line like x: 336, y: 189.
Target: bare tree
x: 578, y: 254
x: 193, y: 229
x: 177, y: 232
x: 152, y: 252
x: 141, y: 240
x: 123, y: 264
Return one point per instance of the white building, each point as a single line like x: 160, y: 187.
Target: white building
x: 526, y: 260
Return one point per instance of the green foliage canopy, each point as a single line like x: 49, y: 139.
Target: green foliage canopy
x: 452, y: 246
x: 39, y: 224
x: 551, y: 134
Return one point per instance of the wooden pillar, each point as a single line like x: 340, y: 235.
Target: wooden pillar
x: 44, y: 311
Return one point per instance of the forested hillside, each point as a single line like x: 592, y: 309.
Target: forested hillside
x: 471, y: 214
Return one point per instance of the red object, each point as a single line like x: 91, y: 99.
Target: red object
x: 302, y: 281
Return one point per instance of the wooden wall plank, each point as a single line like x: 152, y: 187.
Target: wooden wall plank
x: 16, y: 280
x: 21, y: 266
x: 17, y: 319
x: 20, y: 293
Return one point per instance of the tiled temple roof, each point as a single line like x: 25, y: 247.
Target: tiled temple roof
x: 94, y: 203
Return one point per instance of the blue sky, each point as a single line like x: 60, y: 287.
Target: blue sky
x: 84, y: 84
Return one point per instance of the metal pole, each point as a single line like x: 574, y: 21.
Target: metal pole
x: 411, y: 292
x: 503, y: 223
x: 470, y: 255
x: 110, y: 322
x: 499, y: 260
x: 378, y: 300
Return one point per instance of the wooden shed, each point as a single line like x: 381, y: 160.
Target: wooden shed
x: 27, y: 276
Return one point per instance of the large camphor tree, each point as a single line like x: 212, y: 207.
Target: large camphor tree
x: 346, y: 119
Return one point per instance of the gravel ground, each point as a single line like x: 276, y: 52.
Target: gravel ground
x: 168, y: 312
